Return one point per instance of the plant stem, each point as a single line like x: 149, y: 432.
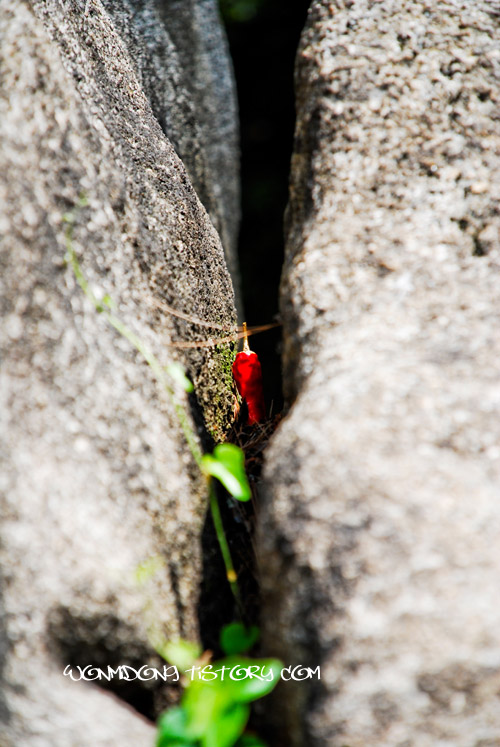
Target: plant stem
x: 224, y: 547
x: 103, y: 308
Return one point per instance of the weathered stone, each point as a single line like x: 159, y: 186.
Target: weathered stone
x: 379, y: 538
x: 180, y: 54
x: 97, y: 474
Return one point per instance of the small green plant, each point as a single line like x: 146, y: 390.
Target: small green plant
x: 227, y: 463
x: 215, y: 706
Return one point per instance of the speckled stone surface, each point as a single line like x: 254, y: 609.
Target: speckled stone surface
x: 381, y: 527
x: 96, y: 475
x: 180, y: 54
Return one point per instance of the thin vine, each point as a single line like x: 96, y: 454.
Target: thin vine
x: 211, y: 714
x: 174, y: 371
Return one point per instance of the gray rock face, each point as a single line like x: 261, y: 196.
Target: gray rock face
x: 180, y: 55
x: 97, y: 477
x: 379, y: 540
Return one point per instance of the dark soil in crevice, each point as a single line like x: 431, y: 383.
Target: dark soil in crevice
x: 217, y: 606
x: 263, y: 51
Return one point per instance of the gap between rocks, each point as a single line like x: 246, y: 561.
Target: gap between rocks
x: 263, y: 50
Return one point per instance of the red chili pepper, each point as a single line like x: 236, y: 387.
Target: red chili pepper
x: 248, y: 377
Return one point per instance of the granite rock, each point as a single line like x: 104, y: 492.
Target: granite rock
x: 380, y: 530
x: 97, y: 477
x: 181, y: 57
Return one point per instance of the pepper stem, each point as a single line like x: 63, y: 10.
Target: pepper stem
x: 246, y: 346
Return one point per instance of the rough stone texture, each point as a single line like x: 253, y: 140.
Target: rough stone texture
x: 379, y: 540
x: 96, y: 474
x: 180, y: 55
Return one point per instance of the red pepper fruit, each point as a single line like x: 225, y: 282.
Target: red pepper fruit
x: 248, y: 377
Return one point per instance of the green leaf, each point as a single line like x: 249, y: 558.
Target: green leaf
x: 266, y: 675
x: 215, y: 710
x: 236, y: 638
x: 227, y: 464
x: 177, y: 374
x: 250, y: 740
x: 229, y: 725
x: 182, y: 654
x: 172, y: 729
x: 203, y: 702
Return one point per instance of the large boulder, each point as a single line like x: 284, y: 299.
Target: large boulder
x: 97, y: 477
x: 381, y: 526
